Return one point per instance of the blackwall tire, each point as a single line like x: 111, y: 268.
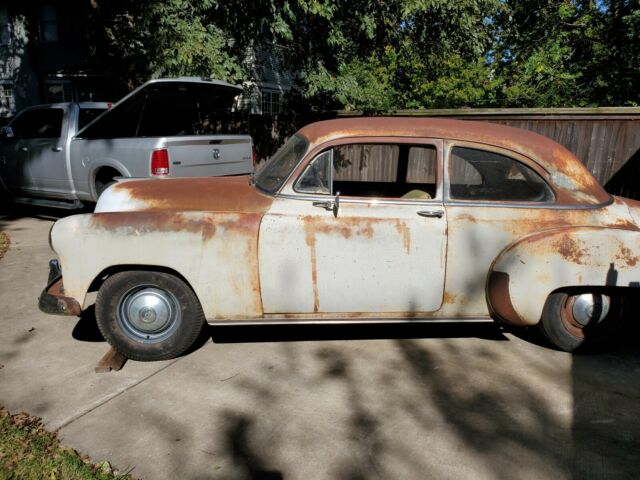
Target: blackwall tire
x: 562, y: 327
x: 148, y: 316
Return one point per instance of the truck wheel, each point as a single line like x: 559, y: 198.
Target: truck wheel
x: 104, y: 179
x: 101, y: 187
x: 148, y: 316
x: 572, y: 321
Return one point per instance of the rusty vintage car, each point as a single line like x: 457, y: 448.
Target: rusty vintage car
x: 357, y: 220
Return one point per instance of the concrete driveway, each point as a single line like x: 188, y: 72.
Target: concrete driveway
x: 405, y: 402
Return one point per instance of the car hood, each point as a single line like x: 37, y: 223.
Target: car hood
x: 209, y: 194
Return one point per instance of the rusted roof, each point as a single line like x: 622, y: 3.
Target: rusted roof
x: 573, y: 183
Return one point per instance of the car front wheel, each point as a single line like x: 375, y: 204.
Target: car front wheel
x: 575, y: 320
x: 148, y: 316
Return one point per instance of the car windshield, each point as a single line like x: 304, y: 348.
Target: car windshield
x: 271, y: 177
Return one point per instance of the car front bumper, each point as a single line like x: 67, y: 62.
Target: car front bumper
x: 52, y: 300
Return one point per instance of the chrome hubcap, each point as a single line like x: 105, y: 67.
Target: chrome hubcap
x: 590, y: 308
x: 148, y: 313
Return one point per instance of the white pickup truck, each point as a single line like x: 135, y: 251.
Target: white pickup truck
x: 62, y: 155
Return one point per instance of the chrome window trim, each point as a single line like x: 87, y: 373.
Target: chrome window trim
x: 379, y: 201
x: 362, y: 201
x: 548, y: 206
x: 438, y: 143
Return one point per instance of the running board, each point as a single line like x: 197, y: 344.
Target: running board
x: 347, y: 321
x: 47, y: 202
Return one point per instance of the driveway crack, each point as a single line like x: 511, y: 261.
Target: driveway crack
x: 116, y: 394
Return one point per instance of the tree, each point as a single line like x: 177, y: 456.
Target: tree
x: 379, y: 56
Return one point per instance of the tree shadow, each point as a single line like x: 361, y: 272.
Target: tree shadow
x: 237, y: 434
x: 606, y: 393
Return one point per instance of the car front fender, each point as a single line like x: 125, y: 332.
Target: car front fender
x: 216, y: 253
x: 526, y: 272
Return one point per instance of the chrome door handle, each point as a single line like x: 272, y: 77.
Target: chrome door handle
x: 431, y: 213
x: 330, y: 205
x: 24, y: 149
x: 56, y: 149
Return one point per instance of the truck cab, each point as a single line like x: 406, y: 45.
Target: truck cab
x: 34, y: 148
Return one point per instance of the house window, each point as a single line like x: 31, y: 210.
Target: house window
x: 7, y: 102
x: 5, y: 32
x: 57, y: 92
x: 271, y: 102
x: 48, y: 24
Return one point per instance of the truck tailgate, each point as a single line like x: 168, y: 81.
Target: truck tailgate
x: 199, y: 156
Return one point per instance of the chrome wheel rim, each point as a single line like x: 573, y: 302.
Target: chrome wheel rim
x: 148, y: 314
x: 586, y: 310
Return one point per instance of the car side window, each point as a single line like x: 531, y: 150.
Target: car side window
x: 40, y: 123
x: 316, y: 177
x: 373, y: 170
x: 481, y: 175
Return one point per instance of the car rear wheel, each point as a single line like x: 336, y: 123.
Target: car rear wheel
x: 148, y: 316
x: 576, y: 320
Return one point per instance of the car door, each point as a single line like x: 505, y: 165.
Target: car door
x: 493, y: 197
x: 376, y: 248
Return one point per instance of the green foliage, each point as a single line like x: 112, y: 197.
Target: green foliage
x: 379, y: 56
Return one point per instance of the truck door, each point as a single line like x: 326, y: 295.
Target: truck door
x: 33, y: 160
x: 43, y: 136
x: 12, y: 160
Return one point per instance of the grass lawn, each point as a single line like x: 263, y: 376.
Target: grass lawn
x: 28, y: 451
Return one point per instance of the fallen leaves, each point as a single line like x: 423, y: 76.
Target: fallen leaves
x: 4, y: 243
x: 28, y: 450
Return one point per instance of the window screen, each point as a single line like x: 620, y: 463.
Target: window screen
x: 482, y: 175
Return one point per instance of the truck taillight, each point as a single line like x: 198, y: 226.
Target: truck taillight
x: 160, y: 162
x: 254, y: 155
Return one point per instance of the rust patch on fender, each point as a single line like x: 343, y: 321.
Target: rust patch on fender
x: 310, y: 240
x: 626, y: 256
x: 449, y: 298
x: 403, y: 230
x: 467, y: 217
x: 499, y: 298
x: 207, y: 194
x: 136, y: 223
x: 570, y: 249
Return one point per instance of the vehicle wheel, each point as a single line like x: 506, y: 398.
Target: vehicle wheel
x: 571, y: 321
x: 102, y: 186
x: 148, y: 316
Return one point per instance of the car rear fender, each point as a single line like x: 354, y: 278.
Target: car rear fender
x: 526, y: 272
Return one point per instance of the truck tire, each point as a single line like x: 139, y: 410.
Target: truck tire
x: 148, y: 316
x: 580, y: 320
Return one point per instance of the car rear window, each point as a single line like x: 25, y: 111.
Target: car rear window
x: 482, y: 175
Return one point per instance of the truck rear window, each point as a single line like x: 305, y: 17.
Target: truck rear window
x: 167, y: 110
x: 87, y: 115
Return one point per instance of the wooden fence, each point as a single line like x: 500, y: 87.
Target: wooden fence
x: 606, y: 140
